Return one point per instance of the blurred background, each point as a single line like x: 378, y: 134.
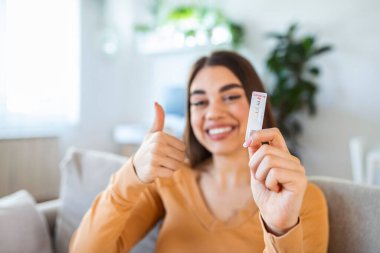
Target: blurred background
x: 86, y: 74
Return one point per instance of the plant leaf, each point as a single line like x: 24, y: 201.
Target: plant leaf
x: 322, y: 50
x: 291, y: 30
x: 275, y: 35
x: 314, y: 71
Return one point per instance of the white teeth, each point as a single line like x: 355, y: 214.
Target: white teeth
x: 219, y: 130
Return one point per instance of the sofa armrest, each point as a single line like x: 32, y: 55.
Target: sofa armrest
x: 49, y: 210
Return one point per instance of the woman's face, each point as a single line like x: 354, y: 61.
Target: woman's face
x: 219, y: 110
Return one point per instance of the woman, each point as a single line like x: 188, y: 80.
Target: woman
x: 212, y: 193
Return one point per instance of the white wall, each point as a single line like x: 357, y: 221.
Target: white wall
x: 348, y: 101
x: 112, y: 90
x: 124, y: 88
x: 2, y: 47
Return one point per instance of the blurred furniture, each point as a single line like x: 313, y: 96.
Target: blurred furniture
x: 30, y: 163
x: 373, y: 166
x: 365, y: 160
x: 353, y: 209
x: 22, y: 227
x: 84, y: 174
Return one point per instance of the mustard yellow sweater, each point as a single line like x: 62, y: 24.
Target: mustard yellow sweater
x: 122, y: 214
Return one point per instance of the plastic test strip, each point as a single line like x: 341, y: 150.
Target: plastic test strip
x: 256, y: 113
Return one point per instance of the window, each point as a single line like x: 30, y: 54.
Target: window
x: 39, y: 85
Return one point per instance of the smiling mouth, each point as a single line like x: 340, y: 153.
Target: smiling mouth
x: 220, y: 132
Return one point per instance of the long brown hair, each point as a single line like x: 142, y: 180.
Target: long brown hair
x: 244, y: 71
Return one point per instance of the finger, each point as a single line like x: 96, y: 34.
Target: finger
x: 159, y: 119
x: 285, y: 179
x: 169, y: 163
x: 175, y: 142
x: 272, y: 136
x: 271, y: 183
x: 173, y: 153
x: 167, y: 139
x: 254, y: 181
x: 164, y: 173
x: 250, y: 150
x: 267, y: 150
x: 274, y: 162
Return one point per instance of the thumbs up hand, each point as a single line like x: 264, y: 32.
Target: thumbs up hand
x: 160, y: 154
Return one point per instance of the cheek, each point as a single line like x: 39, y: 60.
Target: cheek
x: 196, y: 122
x: 241, y: 113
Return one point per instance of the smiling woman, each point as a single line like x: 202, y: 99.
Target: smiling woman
x: 218, y: 109
x: 238, y: 79
x: 212, y: 193
x: 41, y: 84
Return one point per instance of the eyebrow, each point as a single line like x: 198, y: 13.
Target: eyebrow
x: 222, y: 89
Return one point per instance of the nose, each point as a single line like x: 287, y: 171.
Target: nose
x: 215, y: 110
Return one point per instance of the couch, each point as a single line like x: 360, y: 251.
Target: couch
x: 354, y: 209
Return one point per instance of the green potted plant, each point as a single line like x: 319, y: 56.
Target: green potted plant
x: 196, y: 23
x: 207, y: 18
x: 295, y: 76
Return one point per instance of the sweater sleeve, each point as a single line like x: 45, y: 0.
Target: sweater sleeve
x: 311, y: 233
x: 120, y: 216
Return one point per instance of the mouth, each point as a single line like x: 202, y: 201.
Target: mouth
x: 220, y: 133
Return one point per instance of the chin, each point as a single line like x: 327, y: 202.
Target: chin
x: 224, y: 150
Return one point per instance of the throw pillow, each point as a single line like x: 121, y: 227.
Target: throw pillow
x: 22, y: 229
x: 84, y: 174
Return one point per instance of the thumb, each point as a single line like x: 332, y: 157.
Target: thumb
x: 247, y: 144
x: 159, y: 119
x: 250, y: 152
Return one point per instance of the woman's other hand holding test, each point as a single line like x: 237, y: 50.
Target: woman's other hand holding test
x: 278, y: 180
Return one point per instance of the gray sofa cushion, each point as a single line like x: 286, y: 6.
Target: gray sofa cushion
x: 85, y: 173
x: 354, y: 215
x: 22, y: 227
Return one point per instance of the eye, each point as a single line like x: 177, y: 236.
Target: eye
x: 231, y: 97
x: 199, y: 103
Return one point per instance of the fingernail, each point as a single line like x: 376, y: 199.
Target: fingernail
x: 247, y: 142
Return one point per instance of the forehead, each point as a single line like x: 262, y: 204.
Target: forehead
x: 213, y: 77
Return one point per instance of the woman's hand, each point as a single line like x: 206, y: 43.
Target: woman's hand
x: 160, y: 154
x: 278, y: 180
